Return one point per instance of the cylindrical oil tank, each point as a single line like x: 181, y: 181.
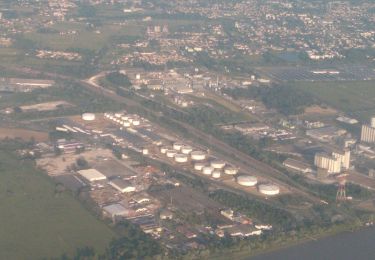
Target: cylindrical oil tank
x: 171, y: 153
x: 177, y: 146
x: 88, y: 116
x: 207, y: 170
x: 218, y: 164
x: 198, y: 155
x: 230, y: 170
x: 126, y: 123
x: 269, y: 189
x: 199, y: 166
x: 164, y: 149
x: 216, y: 174
x: 247, y: 180
x: 186, y: 149
x: 181, y: 158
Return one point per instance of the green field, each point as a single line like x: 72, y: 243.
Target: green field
x: 36, y: 223
x: 84, y: 38
x: 357, y: 98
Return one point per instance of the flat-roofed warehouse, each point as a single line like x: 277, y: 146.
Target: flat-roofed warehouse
x: 92, y: 175
x: 114, y: 210
x: 297, y: 165
x: 122, y: 185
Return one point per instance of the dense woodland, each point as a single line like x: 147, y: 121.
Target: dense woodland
x: 286, y: 99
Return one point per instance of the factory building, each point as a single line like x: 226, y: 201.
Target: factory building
x: 327, y: 162
x: 368, y: 132
x: 115, y: 210
x: 297, y: 165
x: 92, y: 175
x: 122, y: 185
x: 343, y: 157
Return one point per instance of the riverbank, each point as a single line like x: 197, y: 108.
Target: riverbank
x: 289, y: 241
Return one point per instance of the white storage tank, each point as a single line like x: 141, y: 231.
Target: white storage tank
x: 247, y: 180
x: 207, y: 170
x: 181, y: 158
x: 164, y: 149
x: 218, y: 164
x: 177, y: 146
x: 88, y: 116
x: 216, y: 174
x: 186, y: 149
x: 198, y: 156
x: 199, y: 166
x: 171, y: 153
x: 230, y: 170
x: 269, y: 189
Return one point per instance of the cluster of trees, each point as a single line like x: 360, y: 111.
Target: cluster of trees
x: 119, y: 79
x: 133, y: 243
x: 256, y: 209
x: 285, y: 98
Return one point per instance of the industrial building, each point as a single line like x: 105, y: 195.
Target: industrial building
x: 122, y: 185
x: 92, y: 175
x: 297, y: 165
x: 368, y: 132
x: 327, y: 162
x: 334, y: 161
x: 115, y: 210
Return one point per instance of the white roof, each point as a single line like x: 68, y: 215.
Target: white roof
x: 115, y: 210
x: 92, y: 175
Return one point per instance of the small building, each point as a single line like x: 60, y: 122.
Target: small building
x: 92, y: 175
x: 228, y: 213
x: 122, y: 185
x: 166, y: 214
x: 244, y: 231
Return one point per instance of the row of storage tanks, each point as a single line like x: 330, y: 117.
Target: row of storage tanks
x: 181, y: 153
x: 123, y: 119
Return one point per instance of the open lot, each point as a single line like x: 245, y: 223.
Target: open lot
x: 36, y: 222
x: 357, y: 98
x: 47, y: 106
x: 23, y: 134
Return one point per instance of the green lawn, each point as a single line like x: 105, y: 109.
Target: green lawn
x: 356, y: 98
x: 36, y: 223
x: 84, y: 38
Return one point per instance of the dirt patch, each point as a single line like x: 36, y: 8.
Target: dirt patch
x: 59, y: 165
x: 23, y: 134
x: 47, y: 106
x: 320, y: 110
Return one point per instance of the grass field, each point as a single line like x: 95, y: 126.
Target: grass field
x: 36, y: 223
x: 84, y: 38
x: 356, y: 98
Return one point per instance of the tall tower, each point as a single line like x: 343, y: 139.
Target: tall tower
x: 341, y: 191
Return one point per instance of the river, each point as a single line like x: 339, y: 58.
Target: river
x: 359, y: 245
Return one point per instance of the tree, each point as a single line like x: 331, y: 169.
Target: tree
x: 82, y: 163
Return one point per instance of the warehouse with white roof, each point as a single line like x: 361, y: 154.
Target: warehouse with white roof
x: 92, y: 175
